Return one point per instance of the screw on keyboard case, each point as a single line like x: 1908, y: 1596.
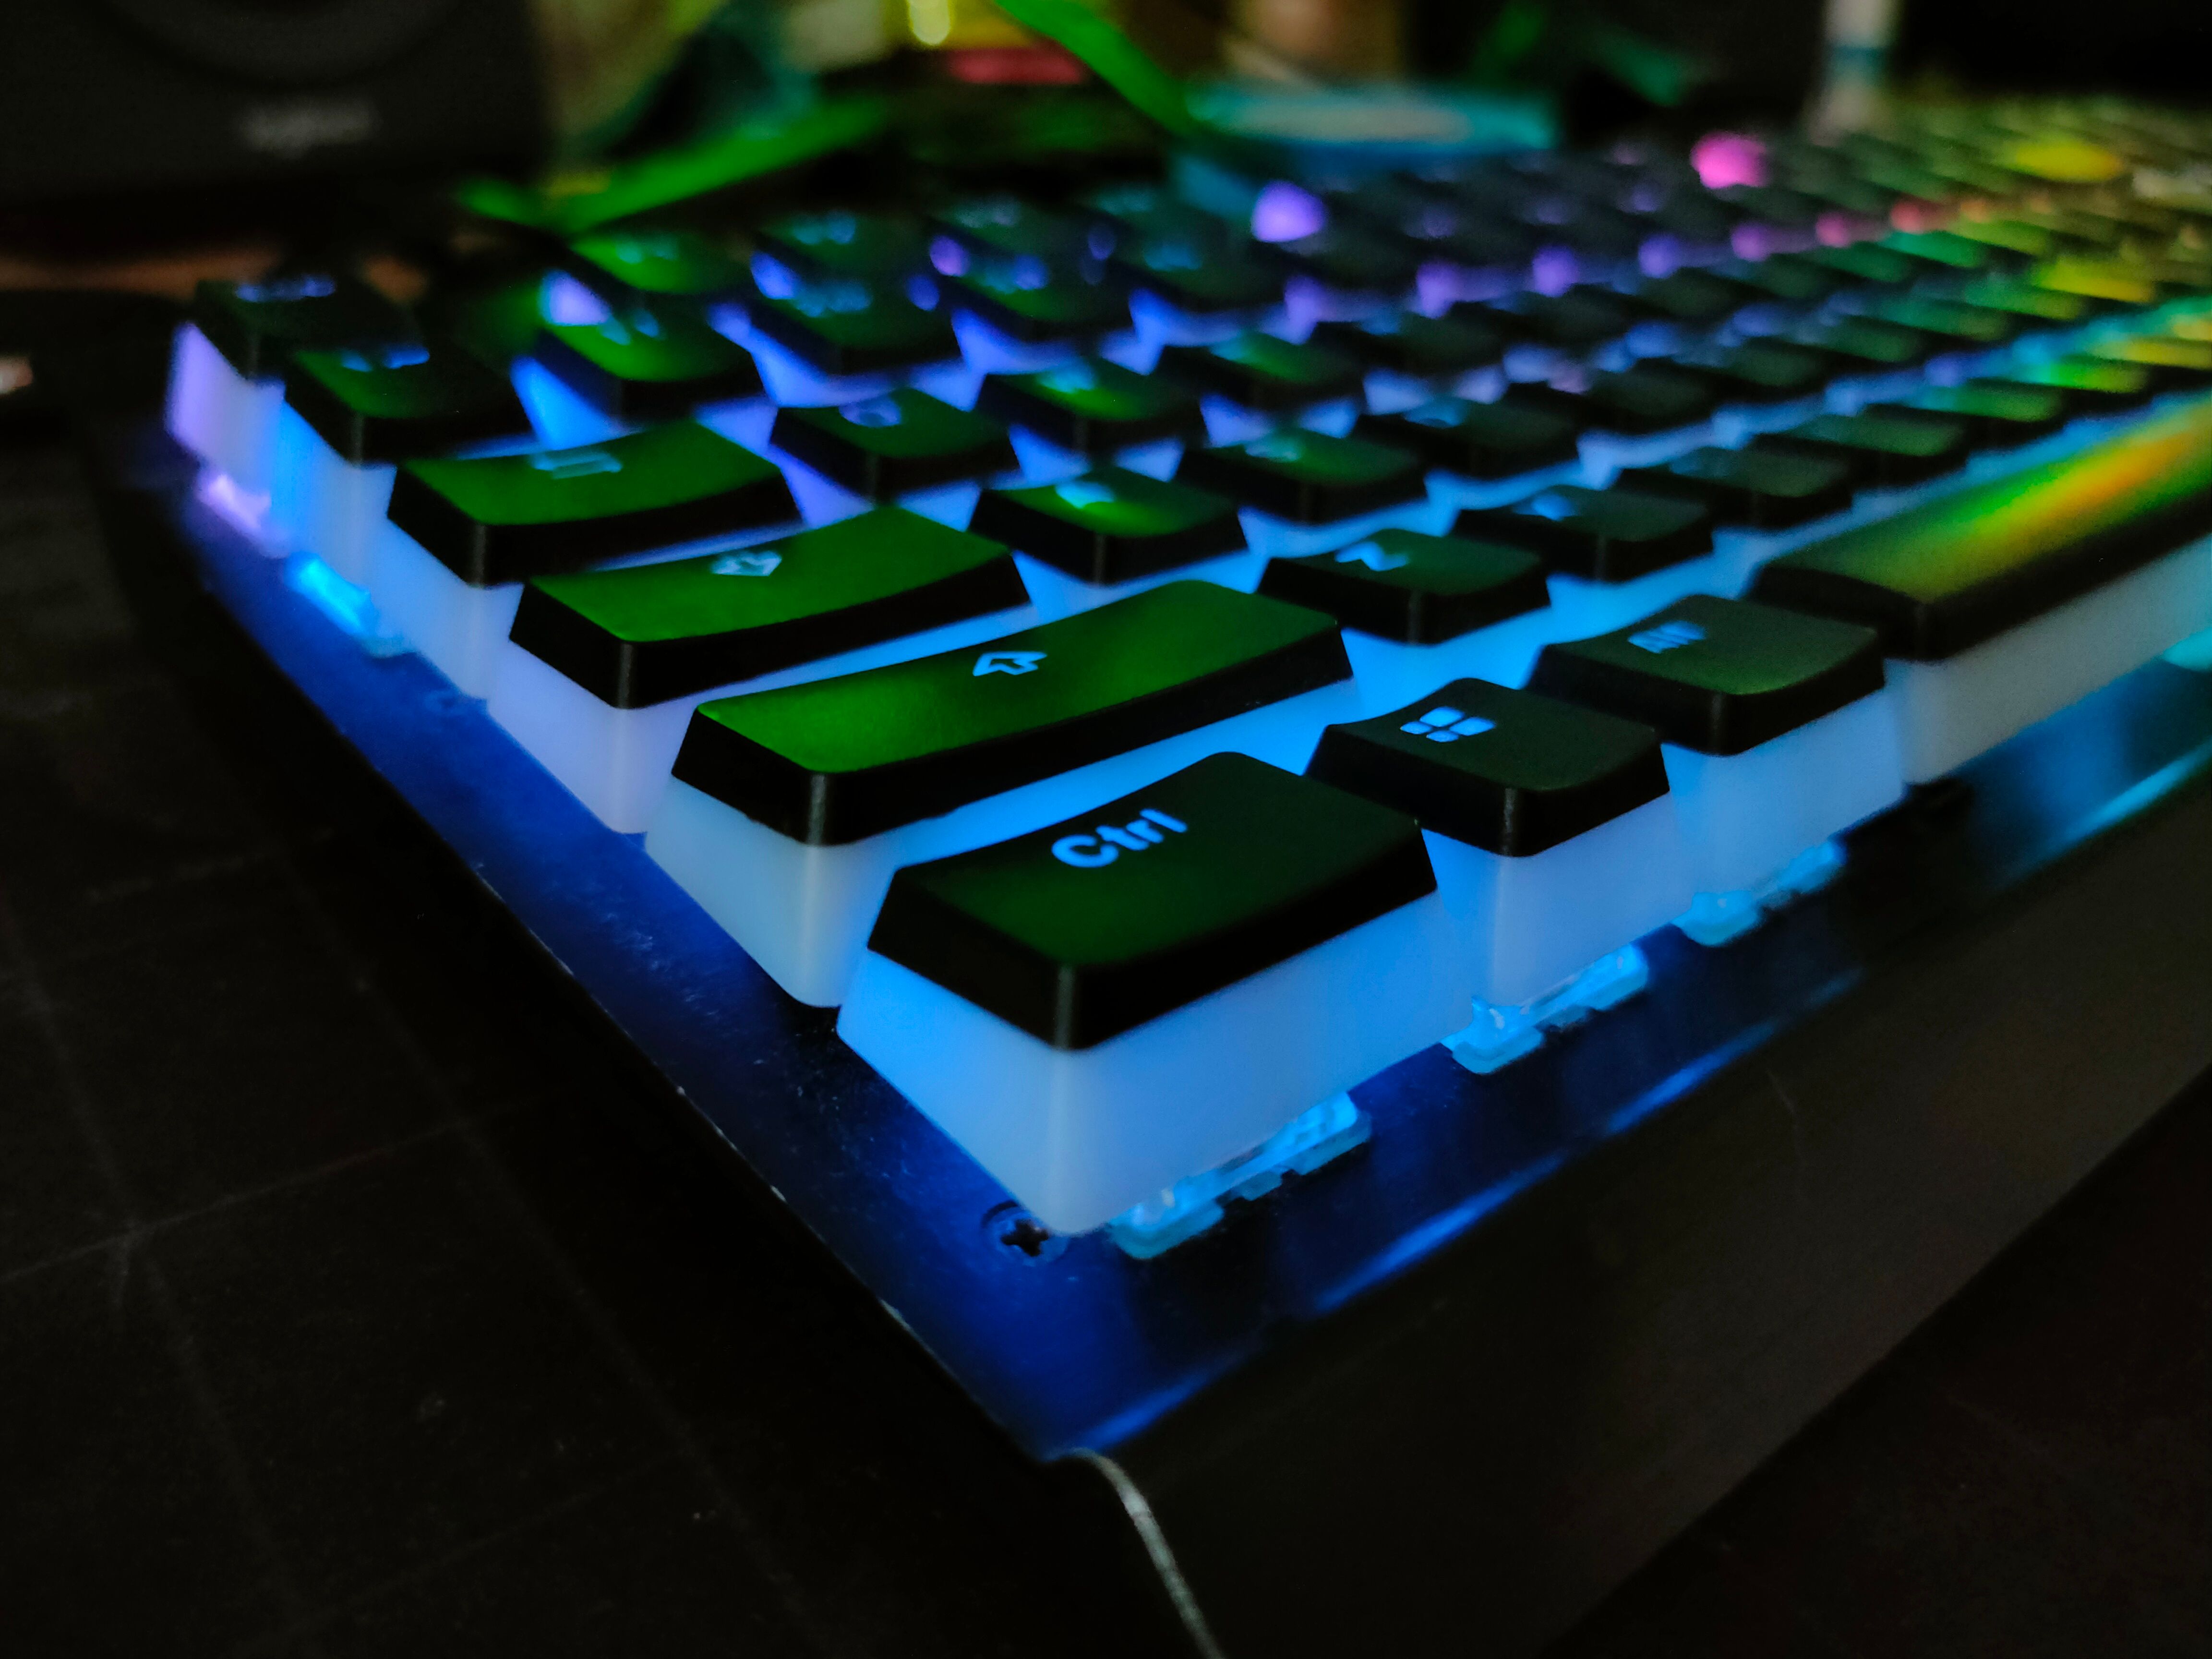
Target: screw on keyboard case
x: 1449, y: 1390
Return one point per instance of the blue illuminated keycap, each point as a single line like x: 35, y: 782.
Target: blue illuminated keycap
x: 1198, y: 274
x: 845, y: 326
x: 1108, y: 1006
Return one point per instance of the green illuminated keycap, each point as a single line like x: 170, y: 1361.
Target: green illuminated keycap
x: 648, y: 361
x: 1857, y: 345
x: 1411, y: 344
x: 2174, y: 365
x: 1007, y: 226
x: 659, y: 264
x: 1885, y: 451
x: 840, y: 759
x: 1510, y: 772
x: 1023, y: 300
x: 1093, y: 406
x: 647, y: 633
x: 846, y: 327
x: 1308, y: 477
x: 1198, y: 274
x: 1415, y: 589
x: 1749, y: 487
x: 1784, y: 279
x: 1861, y: 262
x: 1638, y: 401
x: 1941, y: 248
x: 1958, y: 571
x: 2090, y: 385
x: 503, y: 517
x: 887, y: 446
x: 392, y: 402
x: 1719, y: 675
x: 1262, y: 372
x: 1111, y: 525
x: 1599, y: 535
x: 1478, y: 440
x: 1950, y: 320
x: 839, y: 243
x: 1997, y: 416
x: 1068, y: 934
x: 258, y: 325
x: 2023, y: 299
x: 1759, y: 373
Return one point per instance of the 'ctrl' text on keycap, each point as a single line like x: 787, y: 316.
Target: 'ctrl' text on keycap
x: 1095, y: 851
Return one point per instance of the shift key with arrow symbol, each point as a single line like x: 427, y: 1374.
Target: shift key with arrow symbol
x: 835, y: 761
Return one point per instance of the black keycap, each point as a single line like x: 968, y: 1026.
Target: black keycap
x: 1308, y: 477
x: 1692, y: 298
x: 1599, y: 535
x: 887, y: 446
x: 1111, y: 526
x: 845, y: 327
x: 1781, y: 280
x: 2174, y: 365
x: 1007, y: 226
x: 1882, y: 451
x: 1094, y: 406
x: 1955, y: 572
x: 1862, y: 262
x: 1858, y: 346
x: 1719, y: 675
x: 1082, y: 931
x: 1417, y: 590
x: 1953, y: 324
x: 1135, y: 211
x: 649, y: 361
x: 673, y: 265
x: 1478, y: 440
x: 503, y: 517
x: 836, y: 760
x: 1749, y: 487
x: 1411, y: 344
x: 1996, y: 416
x: 1024, y: 300
x: 1572, y: 322
x: 642, y: 635
x: 1262, y: 372
x: 257, y: 326
x: 871, y: 247
x: 2089, y: 386
x: 1460, y: 234
x: 394, y: 402
x: 1347, y: 257
x: 1756, y: 373
x: 1200, y: 276
x: 1638, y: 401
x: 1510, y: 772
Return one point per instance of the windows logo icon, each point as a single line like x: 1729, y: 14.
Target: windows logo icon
x: 1446, y: 725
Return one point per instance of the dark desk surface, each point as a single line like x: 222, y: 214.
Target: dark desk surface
x: 338, y: 1316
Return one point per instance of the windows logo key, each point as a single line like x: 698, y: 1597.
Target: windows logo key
x: 1446, y: 725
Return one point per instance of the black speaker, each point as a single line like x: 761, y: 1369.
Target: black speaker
x: 111, y: 97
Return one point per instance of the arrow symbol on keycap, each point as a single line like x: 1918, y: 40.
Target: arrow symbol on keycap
x: 747, y: 564
x: 1007, y: 662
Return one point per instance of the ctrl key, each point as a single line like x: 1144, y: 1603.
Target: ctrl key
x: 1103, y: 1010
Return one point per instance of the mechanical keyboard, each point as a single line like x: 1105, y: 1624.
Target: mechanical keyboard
x: 1150, y: 754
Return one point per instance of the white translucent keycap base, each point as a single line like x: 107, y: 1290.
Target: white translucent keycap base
x: 1746, y: 816
x: 1526, y: 926
x: 1950, y: 711
x: 803, y: 912
x: 223, y: 418
x: 616, y: 761
x: 1392, y: 673
x: 1082, y: 1136
x: 1058, y: 594
x: 460, y: 630
x: 324, y: 504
